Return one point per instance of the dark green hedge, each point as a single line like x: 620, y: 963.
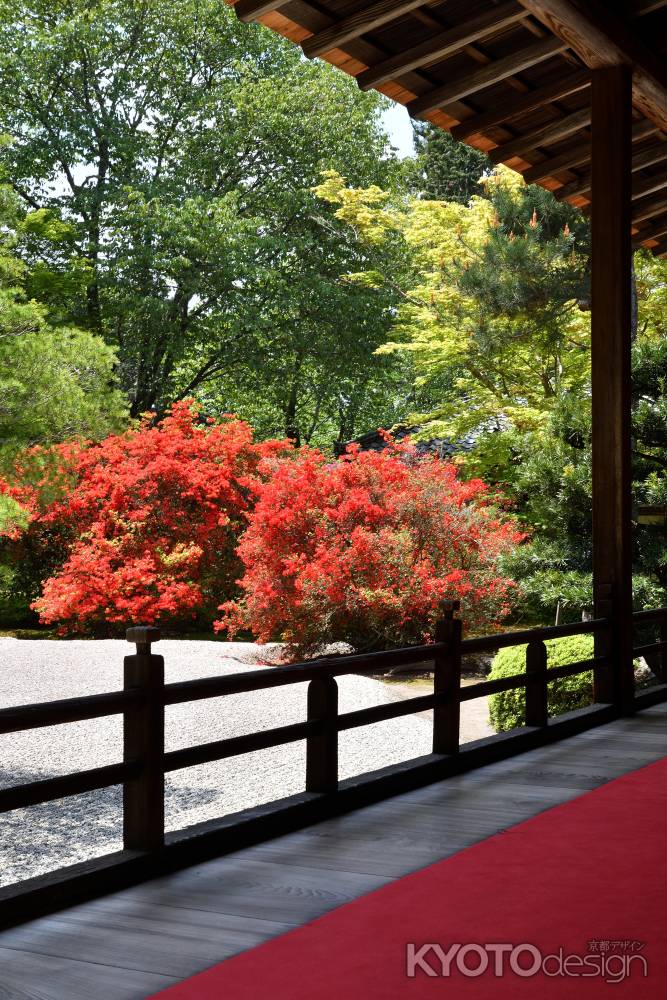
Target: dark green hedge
x: 508, y: 709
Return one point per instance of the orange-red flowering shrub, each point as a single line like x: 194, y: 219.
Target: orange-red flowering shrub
x: 365, y: 548
x: 156, y: 525
x: 146, y: 523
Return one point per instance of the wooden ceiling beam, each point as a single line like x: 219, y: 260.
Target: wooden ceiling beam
x: 250, y: 10
x: 646, y: 158
x: 600, y: 37
x: 649, y: 207
x: 486, y: 76
x: 367, y: 19
x: 513, y: 107
x: 573, y: 157
x: 641, y: 7
x: 558, y: 129
x: 443, y: 44
x: 578, y: 155
x: 314, y: 20
x: 649, y: 185
x: 655, y: 231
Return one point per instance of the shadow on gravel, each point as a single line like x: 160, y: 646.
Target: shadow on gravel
x: 66, y: 831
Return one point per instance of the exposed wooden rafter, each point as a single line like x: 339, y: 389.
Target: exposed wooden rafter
x: 504, y: 101
x: 645, y: 158
x: 372, y: 16
x: 250, y: 10
x: 485, y: 76
x: 649, y: 185
x: 578, y: 155
x: 521, y: 104
x: 655, y: 231
x: 641, y: 7
x: 649, y: 207
x: 558, y: 129
x: 444, y: 44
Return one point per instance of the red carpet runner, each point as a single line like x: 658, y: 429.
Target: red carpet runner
x: 583, y: 883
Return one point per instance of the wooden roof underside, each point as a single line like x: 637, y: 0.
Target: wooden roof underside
x: 510, y: 77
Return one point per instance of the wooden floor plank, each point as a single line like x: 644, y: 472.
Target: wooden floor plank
x: 128, y: 945
x: 251, y: 887
x: 30, y: 976
x: 142, y: 935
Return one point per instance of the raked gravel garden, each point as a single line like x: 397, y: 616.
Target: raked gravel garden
x: 66, y: 831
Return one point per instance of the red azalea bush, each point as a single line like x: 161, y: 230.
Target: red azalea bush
x: 364, y: 549
x: 145, y: 524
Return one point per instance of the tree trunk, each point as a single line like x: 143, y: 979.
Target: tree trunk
x: 292, y: 431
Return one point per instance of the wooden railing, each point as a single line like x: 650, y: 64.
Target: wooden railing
x: 147, y: 851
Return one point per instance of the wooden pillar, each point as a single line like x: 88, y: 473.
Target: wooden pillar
x: 611, y: 344
x: 447, y: 681
x: 537, y: 699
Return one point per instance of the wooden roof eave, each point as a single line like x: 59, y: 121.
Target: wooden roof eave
x: 590, y: 34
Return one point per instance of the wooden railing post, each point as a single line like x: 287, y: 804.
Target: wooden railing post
x: 143, y: 740
x: 604, y: 688
x: 322, y: 747
x: 537, y: 709
x: 447, y: 681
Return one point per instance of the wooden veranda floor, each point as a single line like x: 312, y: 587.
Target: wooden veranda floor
x: 131, y: 944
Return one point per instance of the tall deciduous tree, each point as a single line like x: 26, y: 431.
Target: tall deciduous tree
x: 491, y: 298
x: 183, y: 146
x: 56, y: 381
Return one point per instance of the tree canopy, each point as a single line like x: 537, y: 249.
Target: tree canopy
x: 56, y: 381
x: 182, y: 147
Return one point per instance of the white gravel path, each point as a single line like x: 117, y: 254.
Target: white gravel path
x: 44, y: 837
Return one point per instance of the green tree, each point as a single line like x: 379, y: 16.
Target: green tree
x: 444, y: 169
x: 549, y: 476
x: 306, y: 366
x: 490, y: 311
x: 182, y: 146
x: 56, y: 381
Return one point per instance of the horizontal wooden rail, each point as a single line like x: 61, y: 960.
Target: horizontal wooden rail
x: 296, y: 673
x: 174, y: 760
x: 499, y: 684
x: 33, y: 793
x: 650, y: 647
x: 494, y: 686
x: 650, y: 615
x: 572, y: 669
x: 382, y: 713
x: 19, y: 718
x: 489, y: 643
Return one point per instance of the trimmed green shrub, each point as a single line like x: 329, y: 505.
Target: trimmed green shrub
x: 507, y: 710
